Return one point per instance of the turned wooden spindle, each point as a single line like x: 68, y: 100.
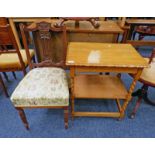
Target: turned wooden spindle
x: 131, y: 89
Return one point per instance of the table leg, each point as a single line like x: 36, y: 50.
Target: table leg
x: 129, y: 95
x: 122, y: 23
x: 72, y: 75
x: 118, y: 105
x: 131, y: 31
x: 125, y: 35
x: 115, y: 38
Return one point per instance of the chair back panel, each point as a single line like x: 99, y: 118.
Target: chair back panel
x: 48, y: 38
x: 52, y: 51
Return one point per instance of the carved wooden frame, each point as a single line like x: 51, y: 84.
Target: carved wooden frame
x: 92, y: 20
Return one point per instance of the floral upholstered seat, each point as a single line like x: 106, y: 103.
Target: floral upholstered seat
x: 42, y: 87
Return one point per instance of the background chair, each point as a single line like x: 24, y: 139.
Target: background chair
x: 11, y: 58
x: 147, y: 78
x: 3, y: 22
x: 45, y: 86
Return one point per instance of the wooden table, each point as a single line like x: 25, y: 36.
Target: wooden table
x: 137, y: 22
x: 102, y: 57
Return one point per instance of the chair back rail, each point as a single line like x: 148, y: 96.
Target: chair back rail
x: 45, y: 31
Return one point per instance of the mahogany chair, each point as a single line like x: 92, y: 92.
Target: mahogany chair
x: 147, y: 78
x: 3, y: 22
x: 45, y: 86
x: 11, y: 58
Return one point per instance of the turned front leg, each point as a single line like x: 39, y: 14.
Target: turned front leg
x: 66, y: 112
x: 23, y: 117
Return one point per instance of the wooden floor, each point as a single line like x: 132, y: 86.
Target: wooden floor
x: 99, y: 86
